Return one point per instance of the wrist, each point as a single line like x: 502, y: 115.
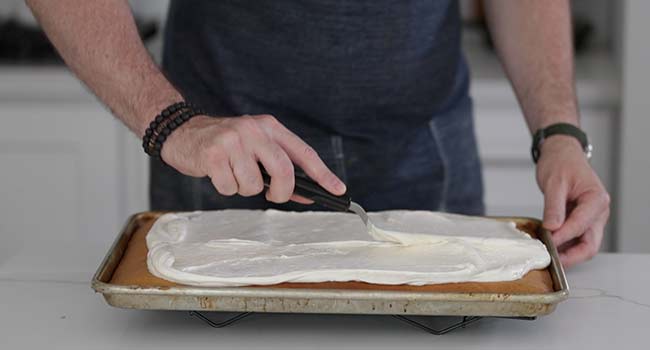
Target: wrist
x: 164, y: 124
x: 147, y: 112
x: 559, y: 136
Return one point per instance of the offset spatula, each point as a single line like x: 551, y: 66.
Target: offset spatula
x: 308, y: 188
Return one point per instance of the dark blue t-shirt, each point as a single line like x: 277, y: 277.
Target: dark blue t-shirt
x: 362, y: 69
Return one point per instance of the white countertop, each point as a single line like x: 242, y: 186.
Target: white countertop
x: 609, y: 306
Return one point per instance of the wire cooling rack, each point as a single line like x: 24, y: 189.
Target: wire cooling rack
x: 462, y: 323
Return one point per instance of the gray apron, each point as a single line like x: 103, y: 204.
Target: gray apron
x: 379, y: 89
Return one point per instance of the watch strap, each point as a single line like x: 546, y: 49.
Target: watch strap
x: 559, y: 129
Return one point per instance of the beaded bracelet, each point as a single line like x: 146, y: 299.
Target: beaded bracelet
x: 164, y: 124
x: 152, y: 132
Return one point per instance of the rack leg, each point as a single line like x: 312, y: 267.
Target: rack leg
x: 466, y: 321
x: 221, y: 324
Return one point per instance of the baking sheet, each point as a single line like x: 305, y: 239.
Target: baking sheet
x: 483, y: 299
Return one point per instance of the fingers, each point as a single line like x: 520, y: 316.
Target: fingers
x: 280, y: 168
x: 302, y: 200
x: 587, y: 245
x: 307, y: 159
x: 575, y: 254
x: 555, y: 199
x: 222, y: 177
x: 238, y: 145
x: 589, y: 207
x: 241, y: 173
x: 245, y: 170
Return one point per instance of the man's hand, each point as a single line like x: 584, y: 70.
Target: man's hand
x: 576, y: 205
x: 228, y: 151
x: 533, y: 40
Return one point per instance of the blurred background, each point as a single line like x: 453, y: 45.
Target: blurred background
x: 71, y: 174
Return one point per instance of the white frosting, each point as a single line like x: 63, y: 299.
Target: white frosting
x: 245, y: 247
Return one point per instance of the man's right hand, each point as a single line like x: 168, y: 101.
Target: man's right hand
x: 228, y: 151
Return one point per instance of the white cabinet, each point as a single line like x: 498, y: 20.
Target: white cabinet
x: 64, y: 190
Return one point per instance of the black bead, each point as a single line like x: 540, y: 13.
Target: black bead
x: 163, y: 124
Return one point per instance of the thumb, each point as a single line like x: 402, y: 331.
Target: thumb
x: 555, y: 199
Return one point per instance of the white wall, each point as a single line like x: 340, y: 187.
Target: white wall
x: 633, y: 211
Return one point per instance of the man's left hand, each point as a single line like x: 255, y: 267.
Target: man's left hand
x: 576, y: 204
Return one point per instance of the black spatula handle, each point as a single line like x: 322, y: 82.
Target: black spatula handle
x: 308, y: 188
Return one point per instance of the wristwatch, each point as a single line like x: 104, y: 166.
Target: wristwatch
x: 560, y: 129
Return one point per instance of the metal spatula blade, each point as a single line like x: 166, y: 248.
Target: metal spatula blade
x: 357, y: 209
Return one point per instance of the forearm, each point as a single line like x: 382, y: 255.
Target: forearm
x: 99, y: 41
x: 533, y: 40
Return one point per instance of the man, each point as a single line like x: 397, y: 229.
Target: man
x: 377, y: 91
